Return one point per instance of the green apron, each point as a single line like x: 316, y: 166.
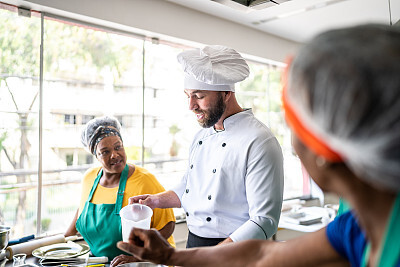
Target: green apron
x: 390, y: 254
x: 100, y: 224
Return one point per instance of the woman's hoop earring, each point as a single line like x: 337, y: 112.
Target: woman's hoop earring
x: 320, y: 161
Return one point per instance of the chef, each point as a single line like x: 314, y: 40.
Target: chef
x: 233, y: 187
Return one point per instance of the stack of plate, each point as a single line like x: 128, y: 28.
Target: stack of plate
x: 61, y: 251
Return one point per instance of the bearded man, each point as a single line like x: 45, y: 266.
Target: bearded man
x: 233, y: 187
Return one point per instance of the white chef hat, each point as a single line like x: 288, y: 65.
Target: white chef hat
x: 213, y: 68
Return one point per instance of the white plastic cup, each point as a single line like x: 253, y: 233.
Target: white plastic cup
x: 134, y: 215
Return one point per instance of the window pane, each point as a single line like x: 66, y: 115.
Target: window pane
x: 19, y: 120
x: 90, y: 72
x: 169, y: 125
x: 262, y: 92
x: 87, y: 73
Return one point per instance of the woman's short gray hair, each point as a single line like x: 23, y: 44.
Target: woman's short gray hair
x: 345, y: 86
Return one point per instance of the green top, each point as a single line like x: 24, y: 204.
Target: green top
x: 343, y: 207
x: 389, y: 253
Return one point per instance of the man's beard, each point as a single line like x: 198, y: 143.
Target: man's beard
x: 212, y: 116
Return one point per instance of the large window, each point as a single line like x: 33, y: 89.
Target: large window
x: 90, y: 71
x: 19, y: 120
x: 262, y: 92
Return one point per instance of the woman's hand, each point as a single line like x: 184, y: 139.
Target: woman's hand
x: 121, y: 259
x: 149, y: 200
x: 167, y: 230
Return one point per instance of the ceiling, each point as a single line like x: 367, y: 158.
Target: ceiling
x: 299, y: 20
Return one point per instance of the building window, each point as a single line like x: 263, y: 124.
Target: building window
x: 69, y: 159
x: 86, y: 118
x: 69, y: 119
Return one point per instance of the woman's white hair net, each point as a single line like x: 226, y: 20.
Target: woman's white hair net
x: 91, y: 128
x: 345, y: 86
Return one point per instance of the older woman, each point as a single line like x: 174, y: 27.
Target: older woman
x: 342, y: 102
x: 106, y: 189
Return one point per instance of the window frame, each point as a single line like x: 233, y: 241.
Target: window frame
x: 40, y: 171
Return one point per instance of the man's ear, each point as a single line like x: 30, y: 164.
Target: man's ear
x: 228, y: 95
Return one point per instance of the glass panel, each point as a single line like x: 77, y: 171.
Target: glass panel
x: 262, y: 92
x: 169, y: 125
x: 19, y: 120
x: 87, y: 73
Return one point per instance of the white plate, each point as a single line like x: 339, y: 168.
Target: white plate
x: 61, y: 251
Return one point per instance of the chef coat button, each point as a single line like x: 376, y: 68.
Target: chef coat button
x: 187, y: 213
x: 209, y: 197
x: 214, y: 171
x: 191, y: 166
x: 208, y: 219
x: 187, y: 190
x: 200, y: 142
x: 223, y: 144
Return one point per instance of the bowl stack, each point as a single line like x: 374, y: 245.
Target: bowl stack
x: 4, y: 233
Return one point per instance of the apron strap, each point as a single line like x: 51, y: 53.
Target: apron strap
x: 390, y: 251
x: 121, y: 189
x: 96, y: 182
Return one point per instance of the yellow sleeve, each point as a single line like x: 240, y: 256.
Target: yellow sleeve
x: 143, y: 182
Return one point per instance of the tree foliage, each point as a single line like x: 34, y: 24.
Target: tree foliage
x: 71, y: 52
x: 77, y: 52
x: 19, y: 44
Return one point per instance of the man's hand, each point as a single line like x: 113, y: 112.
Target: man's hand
x: 163, y: 200
x: 149, y: 200
x: 147, y: 245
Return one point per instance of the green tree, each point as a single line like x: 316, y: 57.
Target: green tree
x: 173, y: 130
x: 262, y: 92
x: 68, y: 49
x: 19, y: 42
x: 81, y: 53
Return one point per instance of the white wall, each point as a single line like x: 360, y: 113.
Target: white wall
x: 163, y: 19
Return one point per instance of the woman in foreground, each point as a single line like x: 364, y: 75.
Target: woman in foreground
x: 342, y: 103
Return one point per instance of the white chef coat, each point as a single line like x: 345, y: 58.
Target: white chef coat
x: 234, y: 184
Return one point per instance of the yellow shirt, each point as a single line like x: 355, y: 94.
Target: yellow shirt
x: 139, y: 183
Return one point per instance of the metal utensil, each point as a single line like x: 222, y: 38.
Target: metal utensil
x: 141, y: 264
x: 73, y: 261
x: 4, y: 236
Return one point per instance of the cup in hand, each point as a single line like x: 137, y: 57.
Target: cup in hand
x: 134, y: 215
